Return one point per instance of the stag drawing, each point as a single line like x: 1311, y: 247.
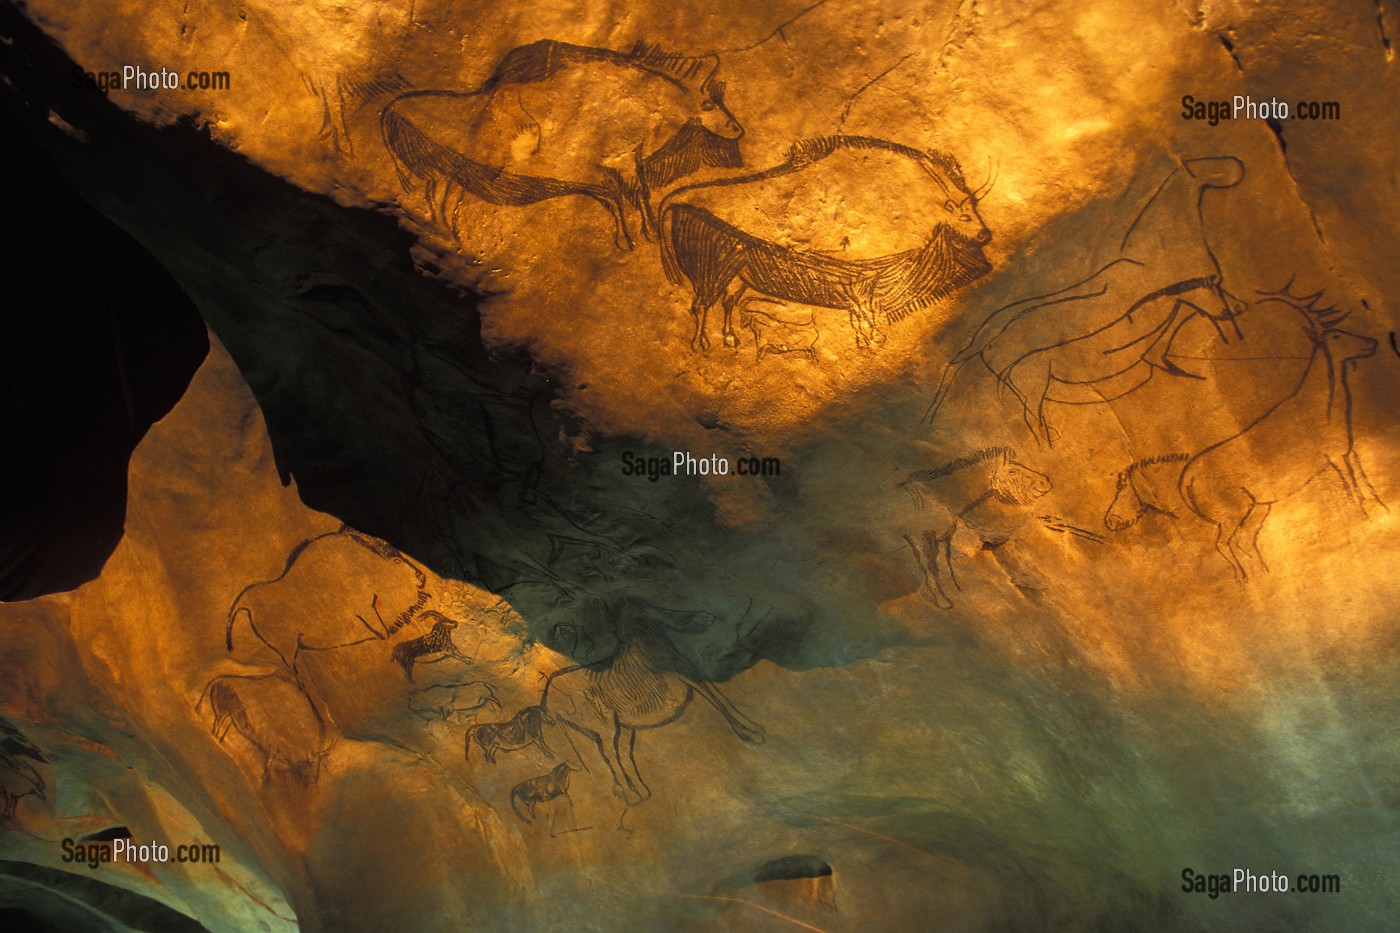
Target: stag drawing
x: 1233, y: 484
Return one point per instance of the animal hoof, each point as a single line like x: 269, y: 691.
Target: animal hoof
x: 731, y: 340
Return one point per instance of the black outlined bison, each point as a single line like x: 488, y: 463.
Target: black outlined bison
x: 855, y: 223
x: 555, y: 120
x: 338, y: 589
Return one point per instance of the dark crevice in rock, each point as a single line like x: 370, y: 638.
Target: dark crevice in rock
x: 99, y: 343
x: 1385, y: 36
x: 1230, y: 47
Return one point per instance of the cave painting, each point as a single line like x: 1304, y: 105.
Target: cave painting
x: 453, y: 702
x: 1103, y: 337
x: 645, y: 684
x: 277, y: 721
x: 550, y: 790
x: 521, y: 731
x: 436, y: 645
x: 1146, y: 486
x: 988, y: 493
x: 820, y: 230
x: 19, y: 778
x: 338, y: 589
x: 1233, y: 484
x: 557, y: 120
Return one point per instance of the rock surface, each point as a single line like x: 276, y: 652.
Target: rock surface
x: 1075, y: 576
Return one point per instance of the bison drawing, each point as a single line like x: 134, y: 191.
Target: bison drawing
x: 338, y: 589
x: 555, y: 120
x: 854, y: 223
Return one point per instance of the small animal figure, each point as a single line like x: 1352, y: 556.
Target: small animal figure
x: 537, y: 790
x: 1234, y: 484
x: 779, y: 329
x: 438, y: 641
x: 1146, y: 486
x: 276, y: 717
x: 455, y: 701
x: 964, y: 488
x: 524, y: 729
x: 18, y: 777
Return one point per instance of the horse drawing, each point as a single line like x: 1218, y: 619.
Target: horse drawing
x: 1103, y: 337
x: 1144, y: 486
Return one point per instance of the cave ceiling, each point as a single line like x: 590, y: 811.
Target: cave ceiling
x: 598, y: 465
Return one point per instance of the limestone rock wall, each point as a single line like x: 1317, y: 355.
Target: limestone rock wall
x: 1070, y: 566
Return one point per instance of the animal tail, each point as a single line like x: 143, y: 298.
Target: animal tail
x: 514, y: 805
x: 410, y: 149
x: 203, y: 694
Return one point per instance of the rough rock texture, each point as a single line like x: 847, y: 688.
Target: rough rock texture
x: 1076, y: 572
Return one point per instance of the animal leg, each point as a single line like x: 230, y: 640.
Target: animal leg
x: 731, y: 299
x: 627, y: 761
x: 1029, y: 380
x: 933, y: 582
x: 515, y: 799
x: 1222, y: 545
x: 947, y: 551
x: 642, y: 197
x: 1245, y: 540
x: 613, y: 201
x: 923, y: 568
x: 1365, y: 490
x: 699, y: 310
x: 603, y: 753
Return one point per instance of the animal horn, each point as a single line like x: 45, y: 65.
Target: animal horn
x: 993, y: 172
x: 709, y: 78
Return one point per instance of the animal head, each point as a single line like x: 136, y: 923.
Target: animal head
x: 1127, y: 506
x: 959, y: 208
x: 1321, y: 327
x: 704, y: 95
x: 713, y: 115
x: 1216, y: 172
x: 441, y: 623
x: 1346, y: 347
x: 1017, y: 484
